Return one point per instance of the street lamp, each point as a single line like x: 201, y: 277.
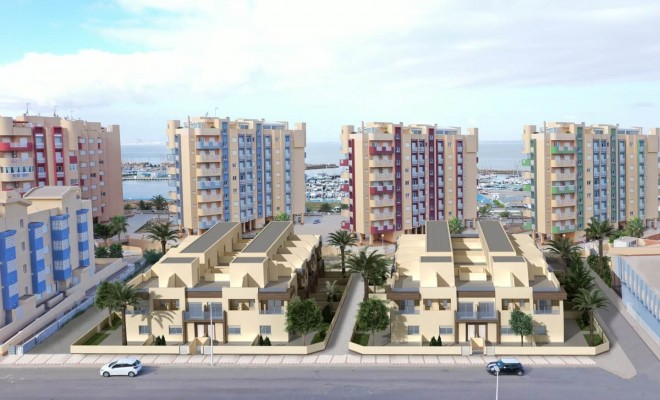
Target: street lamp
x: 497, y: 381
x: 382, y: 241
x: 212, y: 329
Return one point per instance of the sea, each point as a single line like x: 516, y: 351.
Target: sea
x: 498, y: 155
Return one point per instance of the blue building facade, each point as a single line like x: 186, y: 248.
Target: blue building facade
x: 8, y: 270
x: 637, y: 293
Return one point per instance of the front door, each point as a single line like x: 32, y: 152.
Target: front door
x: 482, y: 331
x: 201, y: 330
x: 470, y: 331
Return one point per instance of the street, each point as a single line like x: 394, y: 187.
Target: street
x: 323, y: 383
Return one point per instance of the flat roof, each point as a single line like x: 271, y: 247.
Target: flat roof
x: 178, y: 260
x: 251, y: 260
x: 475, y: 286
x: 48, y: 191
x: 496, y: 238
x: 437, y: 237
x: 208, y: 286
x: 434, y: 259
x: 266, y: 237
x: 202, y: 243
x: 509, y: 259
x: 647, y: 268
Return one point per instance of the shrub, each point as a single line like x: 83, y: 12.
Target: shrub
x: 327, y: 314
x: 267, y: 341
x: 157, y: 341
x: 151, y: 256
x: 163, y: 342
x: 115, y: 251
x: 433, y: 342
x: 439, y: 343
x: 260, y: 341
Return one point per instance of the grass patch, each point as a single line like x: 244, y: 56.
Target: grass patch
x: 97, y: 339
x: 598, y: 339
x: 115, y: 325
x: 361, y: 338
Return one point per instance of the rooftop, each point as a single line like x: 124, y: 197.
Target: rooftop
x: 202, y: 243
x: 249, y: 260
x: 647, y: 268
x: 435, y: 259
x: 475, y: 286
x: 509, y: 259
x: 54, y: 192
x: 209, y: 286
x: 266, y: 237
x: 437, y: 237
x: 178, y: 260
x: 495, y: 236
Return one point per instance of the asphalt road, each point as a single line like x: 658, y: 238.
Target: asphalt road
x: 322, y: 383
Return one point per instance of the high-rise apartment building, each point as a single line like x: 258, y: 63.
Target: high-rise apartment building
x: 403, y: 175
x: 246, y: 171
x: 579, y: 171
x: 51, y: 151
x: 46, y: 251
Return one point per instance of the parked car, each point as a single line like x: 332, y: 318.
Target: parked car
x: 124, y: 366
x: 317, y: 221
x: 507, y: 366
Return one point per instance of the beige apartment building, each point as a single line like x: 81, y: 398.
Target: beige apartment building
x: 51, y: 151
x: 46, y: 253
x: 580, y: 171
x: 401, y: 176
x: 222, y: 286
x: 463, y: 288
x: 245, y: 170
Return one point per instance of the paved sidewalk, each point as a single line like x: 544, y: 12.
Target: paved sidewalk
x: 343, y: 330
x: 312, y: 359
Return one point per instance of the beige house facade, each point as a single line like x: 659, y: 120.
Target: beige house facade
x: 46, y: 253
x: 463, y: 288
x: 400, y: 176
x: 40, y: 151
x: 243, y: 170
x: 580, y: 171
x: 223, y: 286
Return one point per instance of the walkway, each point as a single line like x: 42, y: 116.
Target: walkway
x: 343, y: 330
x: 61, y: 340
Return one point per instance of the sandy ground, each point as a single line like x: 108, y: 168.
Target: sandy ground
x: 329, y: 224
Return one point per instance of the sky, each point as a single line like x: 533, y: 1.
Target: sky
x: 495, y: 65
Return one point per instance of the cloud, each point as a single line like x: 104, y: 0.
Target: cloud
x: 644, y: 104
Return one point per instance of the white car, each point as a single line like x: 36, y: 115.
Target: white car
x: 124, y: 366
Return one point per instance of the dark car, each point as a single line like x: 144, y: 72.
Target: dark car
x: 507, y: 366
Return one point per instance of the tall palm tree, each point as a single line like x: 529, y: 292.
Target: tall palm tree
x: 565, y: 247
x: 373, y: 267
x: 119, y: 224
x: 599, y: 230
x: 589, y: 301
x: 162, y: 233
x: 159, y: 202
x: 635, y: 227
x: 455, y: 226
x: 123, y: 295
x: 104, y: 231
x: 578, y: 277
x: 282, y: 217
x: 342, y: 239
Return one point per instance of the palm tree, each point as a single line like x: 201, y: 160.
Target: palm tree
x: 123, y: 295
x: 455, y: 226
x: 144, y: 205
x: 159, y: 202
x: 565, y: 247
x: 332, y: 290
x: 342, y: 239
x: 282, y: 217
x: 589, y: 301
x: 119, y: 224
x: 373, y: 267
x: 103, y: 299
x: 635, y: 228
x: 162, y: 233
x: 599, y: 230
x: 578, y: 278
x: 104, y: 231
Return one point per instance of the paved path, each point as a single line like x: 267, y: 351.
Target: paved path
x: 343, y: 330
x: 61, y: 340
x: 32, y: 360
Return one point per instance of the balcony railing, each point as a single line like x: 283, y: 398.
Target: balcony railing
x: 476, y: 315
x: 562, y: 150
x: 546, y: 311
x: 563, y: 189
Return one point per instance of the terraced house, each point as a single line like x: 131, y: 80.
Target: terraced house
x: 223, y: 286
x: 400, y: 176
x: 580, y: 171
x: 463, y: 288
x: 244, y: 170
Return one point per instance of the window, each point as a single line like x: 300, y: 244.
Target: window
x: 413, y: 330
x: 144, y: 329
x: 264, y: 329
x: 446, y: 330
x: 540, y: 330
x: 176, y: 330
x: 233, y: 330
x: 506, y: 330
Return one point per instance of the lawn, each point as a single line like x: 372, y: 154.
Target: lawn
x: 361, y: 338
x: 97, y: 339
x: 597, y: 339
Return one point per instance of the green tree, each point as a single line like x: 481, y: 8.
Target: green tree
x: 325, y: 208
x: 162, y: 232
x: 455, y: 226
x: 373, y: 316
x: 577, y: 278
x: 332, y: 291
x: 498, y: 204
x: 282, y: 217
x: 342, y: 239
x: 128, y: 207
x: 119, y: 225
x: 485, y: 210
x: 116, y: 251
x: 144, y: 205
x: 159, y: 202
x: 123, y: 295
x: 302, y: 317
x: 589, y: 301
x: 505, y: 214
x: 599, y: 230
x: 101, y: 252
x: 635, y: 228
x: 521, y: 324
x: 565, y: 247
x: 103, y: 299
x: 151, y: 256
x: 372, y: 267
x: 104, y: 231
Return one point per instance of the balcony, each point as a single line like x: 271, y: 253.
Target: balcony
x: 381, y: 229
x: 375, y: 163
x: 17, y: 176
x: 527, y: 162
x: 210, y: 211
x: 343, y: 162
x: 566, y: 176
x: 381, y: 203
x: 209, y: 185
x: 380, y: 150
x: 563, y: 229
x: 13, y: 146
x: 381, y: 176
x: 381, y: 189
x: 563, y: 216
x: 208, y: 158
x: 481, y: 315
x: 208, y: 172
x: 562, y: 150
x: 546, y: 311
x: 381, y: 216
x: 209, y: 145
x: 563, y: 189
x: 346, y: 225
x: 557, y: 162
x: 202, y: 316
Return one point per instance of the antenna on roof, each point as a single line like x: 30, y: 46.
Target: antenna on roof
x: 27, y: 108
x: 54, y: 111
x: 207, y: 114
